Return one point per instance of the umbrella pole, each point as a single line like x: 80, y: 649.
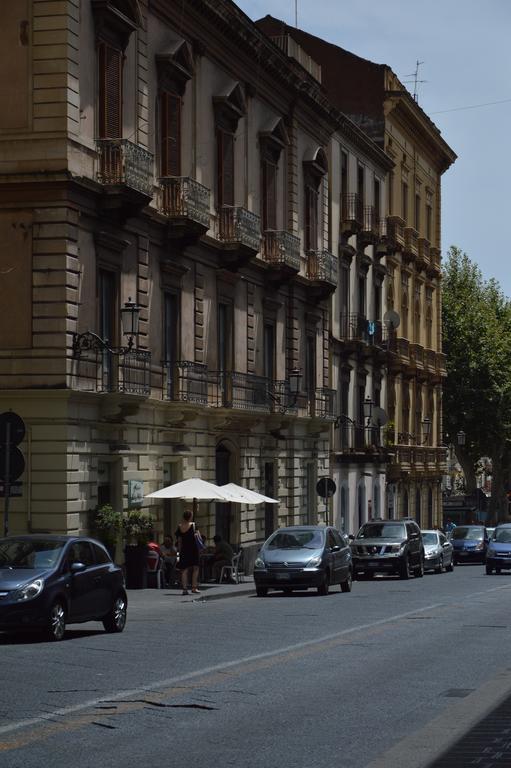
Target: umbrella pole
x: 194, y: 508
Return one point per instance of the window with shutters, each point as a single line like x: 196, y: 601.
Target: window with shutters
x: 110, y: 92
x: 225, y: 165
x: 311, y: 218
x: 170, y: 134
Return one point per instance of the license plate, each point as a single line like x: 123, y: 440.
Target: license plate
x: 283, y: 576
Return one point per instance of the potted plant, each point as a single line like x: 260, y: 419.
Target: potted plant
x: 107, y: 524
x: 138, y: 527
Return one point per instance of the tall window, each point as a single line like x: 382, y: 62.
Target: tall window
x: 310, y: 363
x: 417, y: 213
x: 311, y: 218
x: 170, y: 134
x: 390, y: 191
x: 428, y: 222
x: 404, y: 304
x: 109, y: 92
x: 417, y: 313
x: 361, y: 183
x: 225, y: 166
x: 404, y: 201
x: 377, y: 302
x: 344, y: 174
x: 269, y: 198
x: 269, y: 351
x: 376, y: 203
x: 225, y: 337
x: 171, y: 328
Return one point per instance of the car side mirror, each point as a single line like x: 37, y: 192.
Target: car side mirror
x: 336, y: 548
x: 78, y: 567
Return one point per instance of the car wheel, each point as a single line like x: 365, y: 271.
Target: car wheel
x: 57, y: 621
x: 440, y: 566
x: 419, y: 571
x: 288, y: 591
x: 497, y: 570
x: 489, y: 570
x: 346, y: 585
x: 450, y: 567
x: 261, y: 591
x: 325, y: 585
x: 404, y: 570
x: 115, y: 620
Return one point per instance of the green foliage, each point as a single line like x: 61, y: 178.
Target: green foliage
x: 107, y: 523
x: 138, y: 526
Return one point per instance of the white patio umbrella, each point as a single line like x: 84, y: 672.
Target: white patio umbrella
x: 193, y: 490
x: 241, y: 495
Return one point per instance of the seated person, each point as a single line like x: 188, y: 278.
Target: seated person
x: 169, y: 554
x: 223, y: 555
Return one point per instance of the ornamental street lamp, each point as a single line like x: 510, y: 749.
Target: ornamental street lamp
x: 130, y: 316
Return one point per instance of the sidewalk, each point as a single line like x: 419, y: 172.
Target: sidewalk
x: 207, y: 592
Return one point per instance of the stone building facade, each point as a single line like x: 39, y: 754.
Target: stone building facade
x: 408, y: 245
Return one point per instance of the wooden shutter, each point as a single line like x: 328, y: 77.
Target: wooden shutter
x: 110, y: 92
x: 269, y: 195
x: 170, y: 127
x: 225, y: 168
x: 311, y: 219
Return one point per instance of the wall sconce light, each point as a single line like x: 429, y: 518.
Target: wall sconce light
x: 426, y: 429
x: 130, y: 315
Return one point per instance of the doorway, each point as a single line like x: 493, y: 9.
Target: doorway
x: 269, y: 490
x: 223, y: 511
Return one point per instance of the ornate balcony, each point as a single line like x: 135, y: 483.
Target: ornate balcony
x: 322, y: 271
x: 417, y: 354
x: 322, y: 404
x: 369, y: 231
x: 239, y: 232
x: 103, y: 369
x: 423, y: 256
x: 440, y: 362
x: 281, y: 398
x: 185, y: 382
x: 395, y: 233
x: 352, y: 214
x: 281, y: 250
x: 125, y: 170
x: 431, y: 360
x: 382, y: 242
x: 185, y: 202
x: 239, y: 391
x: 357, y: 328
x: 354, y: 441
x: 411, y: 248
x: 435, y: 261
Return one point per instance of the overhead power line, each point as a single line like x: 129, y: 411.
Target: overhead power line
x: 472, y: 106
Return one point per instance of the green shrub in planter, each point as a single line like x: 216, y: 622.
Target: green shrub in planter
x: 137, y: 526
x: 107, y: 524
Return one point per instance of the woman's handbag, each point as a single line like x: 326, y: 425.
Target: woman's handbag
x: 198, y: 540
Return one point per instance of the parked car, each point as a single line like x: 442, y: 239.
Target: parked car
x: 303, y: 556
x: 470, y: 543
x: 438, y: 551
x: 498, y: 554
x: 47, y: 581
x: 388, y: 546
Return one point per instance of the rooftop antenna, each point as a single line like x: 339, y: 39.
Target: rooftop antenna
x: 416, y: 80
x: 296, y: 14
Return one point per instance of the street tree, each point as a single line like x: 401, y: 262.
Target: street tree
x: 476, y: 319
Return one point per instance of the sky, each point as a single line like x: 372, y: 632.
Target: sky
x: 466, y: 61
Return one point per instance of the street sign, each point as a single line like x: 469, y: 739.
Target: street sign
x: 325, y: 487
x: 17, y: 427
x: 15, y: 489
x: 16, y: 463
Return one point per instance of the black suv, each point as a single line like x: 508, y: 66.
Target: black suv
x: 388, y: 546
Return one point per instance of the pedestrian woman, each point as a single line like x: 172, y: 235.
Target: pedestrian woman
x: 188, y: 552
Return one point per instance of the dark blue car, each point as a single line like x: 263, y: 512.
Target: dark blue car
x: 470, y: 543
x: 47, y: 581
x: 498, y: 555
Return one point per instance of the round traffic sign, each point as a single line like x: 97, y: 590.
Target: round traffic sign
x: 326, y: 487
x: 16, y: 463
x: 17, y: 427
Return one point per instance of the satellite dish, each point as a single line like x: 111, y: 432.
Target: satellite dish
x: 379, y: 417
x: 391, y: 318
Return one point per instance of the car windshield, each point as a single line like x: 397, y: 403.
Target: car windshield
x: 23, y: 553
x: 502, y: 534
x: 382, y: 531
x: 429, y: 538
x: 296, y: 540
x: 472, y: 533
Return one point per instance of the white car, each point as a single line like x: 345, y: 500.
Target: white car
x: 437, y: 552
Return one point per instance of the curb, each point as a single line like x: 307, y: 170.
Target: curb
x: 206, y: 598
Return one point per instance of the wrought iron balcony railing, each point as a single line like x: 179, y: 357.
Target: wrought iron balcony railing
x: 356, y: 327
x: 322, y: 267
x: 100, y: 368
x: 322, y: 404
x: 396, y: 232
x: 185, y: 381
x: 424, y: 250
x: 281, y: 249
x: 240, y: 227
x: 370, y: 224
x: 240, y: 391
x: 281, y: 398
x: 355, y: 437
x: 184, y: 198
x: 352, y: 211
x: 123, y: 163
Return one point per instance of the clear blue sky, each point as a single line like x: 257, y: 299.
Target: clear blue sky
x: 465, y: 47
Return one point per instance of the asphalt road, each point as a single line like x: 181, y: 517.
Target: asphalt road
x: 289, y: 681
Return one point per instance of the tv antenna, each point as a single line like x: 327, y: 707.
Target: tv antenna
x: 296, y: 14
x: 415, y: 80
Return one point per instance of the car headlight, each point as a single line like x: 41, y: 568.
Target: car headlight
x: 395, y: 548
x: 259, y: 563
x: 29, y: 591
x: 314, y: 562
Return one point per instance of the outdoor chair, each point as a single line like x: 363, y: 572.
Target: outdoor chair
x: 234, y: 570
x: 155, y: 567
